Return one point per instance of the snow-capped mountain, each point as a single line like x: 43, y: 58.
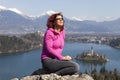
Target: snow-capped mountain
x: 13, y: 21
x: 49, y: 13
x: 2, y: 8
x: 11, y: 9
x: 77, y: 19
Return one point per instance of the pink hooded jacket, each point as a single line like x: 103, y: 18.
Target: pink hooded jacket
x: 53, y: 44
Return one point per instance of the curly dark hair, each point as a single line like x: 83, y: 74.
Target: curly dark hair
x: 51, y: 20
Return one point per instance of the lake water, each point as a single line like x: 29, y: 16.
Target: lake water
x: 23, y: 64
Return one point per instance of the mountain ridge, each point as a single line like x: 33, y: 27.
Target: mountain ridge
x: 12, y: 22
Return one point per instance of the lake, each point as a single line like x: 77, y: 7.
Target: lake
x: 23, y: 64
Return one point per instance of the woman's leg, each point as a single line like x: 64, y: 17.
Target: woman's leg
x: 60, y: 67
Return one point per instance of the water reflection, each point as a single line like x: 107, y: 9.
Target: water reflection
x: 89, y: 66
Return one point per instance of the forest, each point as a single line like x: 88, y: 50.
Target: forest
x: 21, y: 43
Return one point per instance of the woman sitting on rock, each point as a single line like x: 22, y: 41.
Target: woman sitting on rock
x: 52, y: 59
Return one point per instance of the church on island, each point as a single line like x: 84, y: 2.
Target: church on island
x: 92, y: 56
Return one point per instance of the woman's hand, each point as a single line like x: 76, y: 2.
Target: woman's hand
x: 67, y: 58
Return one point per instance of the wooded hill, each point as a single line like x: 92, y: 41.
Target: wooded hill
x: 13, y: 44
x: 115, y: 43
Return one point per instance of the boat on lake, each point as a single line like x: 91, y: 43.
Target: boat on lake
x: 92, y: 56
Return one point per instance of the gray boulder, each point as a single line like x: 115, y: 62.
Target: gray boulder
x: 53, y: 76
x: 41, y: 74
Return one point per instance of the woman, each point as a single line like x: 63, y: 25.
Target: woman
x: 52, y: 58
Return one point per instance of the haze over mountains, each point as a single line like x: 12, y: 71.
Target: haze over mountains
x: 12, y: 21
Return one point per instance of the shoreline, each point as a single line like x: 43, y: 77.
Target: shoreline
x: 19, y: 51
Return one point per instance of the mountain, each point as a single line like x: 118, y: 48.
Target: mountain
x: 13, y: 21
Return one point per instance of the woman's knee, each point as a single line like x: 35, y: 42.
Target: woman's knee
x: 76, y: 67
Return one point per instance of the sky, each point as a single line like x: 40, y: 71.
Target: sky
x: 98, y: 10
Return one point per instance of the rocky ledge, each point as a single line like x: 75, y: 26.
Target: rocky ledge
x: 41, y: 74
x: 53, y: 76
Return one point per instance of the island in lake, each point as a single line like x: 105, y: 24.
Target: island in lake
x: 92, y: 56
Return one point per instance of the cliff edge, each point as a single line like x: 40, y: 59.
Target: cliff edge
x: 41, y: 74
x: 53, y: 76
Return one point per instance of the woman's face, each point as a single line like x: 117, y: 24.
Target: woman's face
x: 59, y: 21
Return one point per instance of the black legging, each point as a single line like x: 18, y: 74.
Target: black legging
x: 60, y: 67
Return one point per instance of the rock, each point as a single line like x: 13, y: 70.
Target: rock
x: 35, y: 77
x: 15, y: 79
x: 41, y: 74
x: 54, y: 76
